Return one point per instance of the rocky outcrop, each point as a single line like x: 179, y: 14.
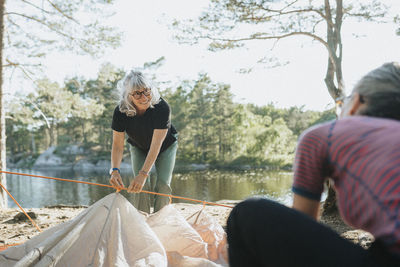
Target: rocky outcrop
x: 66, y: 159
x: 101, y: 166
x: 50, y: 160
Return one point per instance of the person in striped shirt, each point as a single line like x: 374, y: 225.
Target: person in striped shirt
x: 360, y: 153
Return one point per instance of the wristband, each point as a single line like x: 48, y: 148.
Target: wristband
x: 114, y: 169
x: 143, y: 172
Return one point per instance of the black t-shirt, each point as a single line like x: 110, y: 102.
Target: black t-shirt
x: 140, y: 128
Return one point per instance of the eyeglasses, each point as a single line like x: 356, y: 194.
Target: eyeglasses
x: 138, y: 94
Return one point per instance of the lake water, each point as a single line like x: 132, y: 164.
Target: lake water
x: 210, y: 186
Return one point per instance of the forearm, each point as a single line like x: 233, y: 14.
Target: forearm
x: 156, y: 142
x: 116, y: 156
x: 307, y: 206
x: 151, y: 158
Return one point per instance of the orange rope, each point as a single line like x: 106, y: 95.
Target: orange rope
x: 90, y: 183
x: 29, y: 217
x: 4, y: 247
x: 59, y: 179
x: 105, y: 185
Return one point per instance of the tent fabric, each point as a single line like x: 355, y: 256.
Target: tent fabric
x: 210, y: 232
x: 176, y: 234
x: 111, y: 232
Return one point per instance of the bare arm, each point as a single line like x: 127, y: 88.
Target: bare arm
x: 156, y: 142
x: 117, y: 152
x: 158, y: 138
x: 306, y: 205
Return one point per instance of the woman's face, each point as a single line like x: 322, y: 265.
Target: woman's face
x: 141, y: 98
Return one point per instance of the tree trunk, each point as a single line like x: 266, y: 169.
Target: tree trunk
x: 330, y: 202
x: 3, y: 195
x: 334, y: 68
x: 51, y: 135
x: 33, y: 143
x: 334, y: 41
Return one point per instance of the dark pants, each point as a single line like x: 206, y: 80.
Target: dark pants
x: 265, y: 233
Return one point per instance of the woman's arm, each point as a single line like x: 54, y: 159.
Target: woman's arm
x: 156, y: 142
x: 117, y: 152
x: 306, y: 205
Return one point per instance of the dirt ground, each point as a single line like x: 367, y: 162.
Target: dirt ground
x: 15, y: 228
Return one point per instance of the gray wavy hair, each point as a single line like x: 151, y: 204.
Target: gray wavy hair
x: 380, y: 90
x: 135, y: 80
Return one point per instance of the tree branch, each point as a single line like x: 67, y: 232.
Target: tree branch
x: 62, y: 12
x: 366, y: 15
x: 27, y: 34
x: 37, y: 7
x: 290, y: 4
x: 42, y: 23
x: 266, y: 17
x: 316, y: 24
x: 315, y: 37
x: 281, y: 12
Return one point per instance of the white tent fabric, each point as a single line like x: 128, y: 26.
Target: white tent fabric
x: 111, y: 232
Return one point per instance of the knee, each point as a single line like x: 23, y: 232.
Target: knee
x: 253, y: 205
x: 255, y: 210
x: 162, y: 187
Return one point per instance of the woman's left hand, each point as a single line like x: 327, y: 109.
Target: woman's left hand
x: 137, y: 183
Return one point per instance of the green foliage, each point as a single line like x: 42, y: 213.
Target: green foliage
x: 212, y: 128
x: 229, y: 24
x: 77, y: 113
x: 36, y: 28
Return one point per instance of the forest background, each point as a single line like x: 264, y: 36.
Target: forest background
x: 213, y: 129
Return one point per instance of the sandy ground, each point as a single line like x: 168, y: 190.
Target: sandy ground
x: 15, y: 228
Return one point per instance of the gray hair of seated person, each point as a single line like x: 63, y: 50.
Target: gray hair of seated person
x: 380, y: 91
x: 135, y: 80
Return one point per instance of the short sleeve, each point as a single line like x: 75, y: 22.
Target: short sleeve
x: 310, y: 166
x: 162, y: 116
x: 118, y: 121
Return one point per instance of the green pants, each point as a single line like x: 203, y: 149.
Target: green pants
x: 164, y: 165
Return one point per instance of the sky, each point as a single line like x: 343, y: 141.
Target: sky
x: 147, y: 38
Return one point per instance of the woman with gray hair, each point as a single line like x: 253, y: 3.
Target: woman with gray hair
x: 360, y: 152
x: 146, y: 118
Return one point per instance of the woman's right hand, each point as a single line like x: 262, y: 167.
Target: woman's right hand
x: 116, y: 180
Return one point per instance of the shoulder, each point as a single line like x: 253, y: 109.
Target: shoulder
x: 162, y: 105
x: 368, y: 122
x: 358, y: 126
x: 118, y: 113
x: 318, y: 132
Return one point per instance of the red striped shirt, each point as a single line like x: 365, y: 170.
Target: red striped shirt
x: 362, y: 156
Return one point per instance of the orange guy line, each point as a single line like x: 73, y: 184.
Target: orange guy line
x: 29, y: 217
x: 118, y: 188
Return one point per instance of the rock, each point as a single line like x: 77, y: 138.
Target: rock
x: 48, y: 159
x: 198, y: 167
x: 72, y: 150
x: 22, y: 217
x: 126, y: 166
x: 84, y: 166
x: 103, y: 165
x: 360, y: 237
